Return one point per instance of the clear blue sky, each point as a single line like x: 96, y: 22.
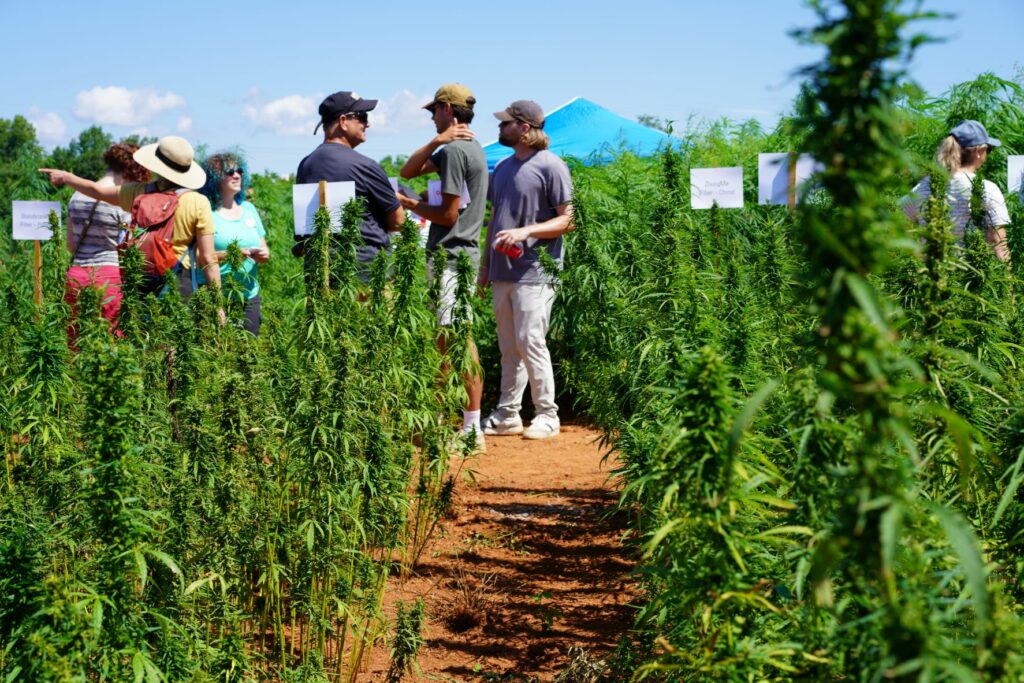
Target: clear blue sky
x: 252, y: 74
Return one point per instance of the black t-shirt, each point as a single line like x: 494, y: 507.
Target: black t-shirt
x: 334, y: 162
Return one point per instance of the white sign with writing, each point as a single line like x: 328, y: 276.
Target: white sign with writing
x: 306, y: 200
x: 434, y: 194
x: 31, y: 220
x: 1015, y: 175
x: 722, y: 185
x: 773, y: 176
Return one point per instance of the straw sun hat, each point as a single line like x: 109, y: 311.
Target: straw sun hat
x: 172, y: 158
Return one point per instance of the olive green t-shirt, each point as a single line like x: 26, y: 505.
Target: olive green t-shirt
x: 461, y: 163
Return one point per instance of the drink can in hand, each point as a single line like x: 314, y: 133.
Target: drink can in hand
x: 512, y: 251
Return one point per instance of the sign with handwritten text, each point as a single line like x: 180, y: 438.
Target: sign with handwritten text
x: 721, y: 185
x: 31, y: 220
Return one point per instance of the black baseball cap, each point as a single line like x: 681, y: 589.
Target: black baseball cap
x: 342, y: 102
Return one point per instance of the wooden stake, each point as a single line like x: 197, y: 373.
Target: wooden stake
x: 37, y: 272
x: 323, y: 193
x: 792, y: 180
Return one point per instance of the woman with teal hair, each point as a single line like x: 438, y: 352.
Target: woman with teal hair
x: 236, y: 220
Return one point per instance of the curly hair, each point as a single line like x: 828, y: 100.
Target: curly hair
x: 214, y: 165
x: 119, y: 159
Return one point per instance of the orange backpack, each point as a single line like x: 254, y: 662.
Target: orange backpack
x: 152, y: 228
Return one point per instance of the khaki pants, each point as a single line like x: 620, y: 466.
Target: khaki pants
x: 523, y: 313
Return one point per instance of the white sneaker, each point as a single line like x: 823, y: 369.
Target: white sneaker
x: 542, y: 427
x: 496, y: 425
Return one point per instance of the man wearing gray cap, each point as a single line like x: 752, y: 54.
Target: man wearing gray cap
x: 345, y: 118
x: 531, y: 195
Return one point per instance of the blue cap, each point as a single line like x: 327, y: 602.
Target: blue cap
x: 972, y: 134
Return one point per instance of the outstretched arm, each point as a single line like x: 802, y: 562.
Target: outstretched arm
x: 444, y: 215
x: 103, y: 193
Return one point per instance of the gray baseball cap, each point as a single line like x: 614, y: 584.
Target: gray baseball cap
x: 526, y: 111
x: 972, y: 134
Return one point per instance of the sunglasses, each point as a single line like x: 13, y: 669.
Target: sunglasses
x: 360, y: 116
x: 233, y: 171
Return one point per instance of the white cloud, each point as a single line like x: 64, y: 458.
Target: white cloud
x: 401, y: 112
x: 114, y: 105
x: 297, y: 114
x: 289, y: 115
x: 184, y: 124
x: 50, y: 127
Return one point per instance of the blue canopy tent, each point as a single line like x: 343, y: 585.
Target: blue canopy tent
x: 582, y: 129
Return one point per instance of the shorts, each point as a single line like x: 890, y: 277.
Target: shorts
x: 446, y: 303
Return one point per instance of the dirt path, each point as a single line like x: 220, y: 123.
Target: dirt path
x: 530, y: 567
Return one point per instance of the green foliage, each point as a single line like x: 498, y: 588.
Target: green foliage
x: 84, y: 155
x: 816, y: 416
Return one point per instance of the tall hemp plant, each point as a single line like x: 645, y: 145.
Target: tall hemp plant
x: 874, y: 565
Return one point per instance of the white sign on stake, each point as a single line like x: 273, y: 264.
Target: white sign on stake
x: 722, y: 185
x: 1015, y: 175
x: 773, y: 176
x: 434, y: 194
x: 31, y: 220
x: 306, y: 200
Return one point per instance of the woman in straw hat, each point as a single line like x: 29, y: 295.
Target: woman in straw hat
x: 962, y: 153
x: 172, y: 160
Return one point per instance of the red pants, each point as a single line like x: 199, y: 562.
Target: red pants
x: 107, y: 278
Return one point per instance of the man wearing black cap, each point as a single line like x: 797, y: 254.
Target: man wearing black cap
x: 345, y: 118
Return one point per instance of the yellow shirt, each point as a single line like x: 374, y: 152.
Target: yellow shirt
x: 193, y: 216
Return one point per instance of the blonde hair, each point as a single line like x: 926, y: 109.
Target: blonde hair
x: 536, y: 139
x: 953, y: 157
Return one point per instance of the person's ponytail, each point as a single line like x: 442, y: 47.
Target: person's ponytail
x: 950, y: 154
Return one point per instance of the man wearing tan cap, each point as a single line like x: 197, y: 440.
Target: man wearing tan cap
x: 455, y: 225
x: 531, y: 195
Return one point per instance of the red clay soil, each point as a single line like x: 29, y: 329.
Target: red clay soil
x: 531, y: 566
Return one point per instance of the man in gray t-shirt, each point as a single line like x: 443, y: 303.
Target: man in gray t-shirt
x: 455, y: 224
x: 531, y: 195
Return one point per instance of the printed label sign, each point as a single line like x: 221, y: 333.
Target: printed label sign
x: 434, y: 194
x: 722, y: 185
x: 773, y: 176
x: 306, y: 200
x: 31, y: 220
x: 1015, y: 175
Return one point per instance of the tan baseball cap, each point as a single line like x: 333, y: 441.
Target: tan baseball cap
x: 452, y: 93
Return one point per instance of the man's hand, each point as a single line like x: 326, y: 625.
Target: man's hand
x: 506, y: 238
x: 459, y: 131
x: 407, y: 203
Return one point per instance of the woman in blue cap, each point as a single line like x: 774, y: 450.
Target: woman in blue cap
x: 962, y: 153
